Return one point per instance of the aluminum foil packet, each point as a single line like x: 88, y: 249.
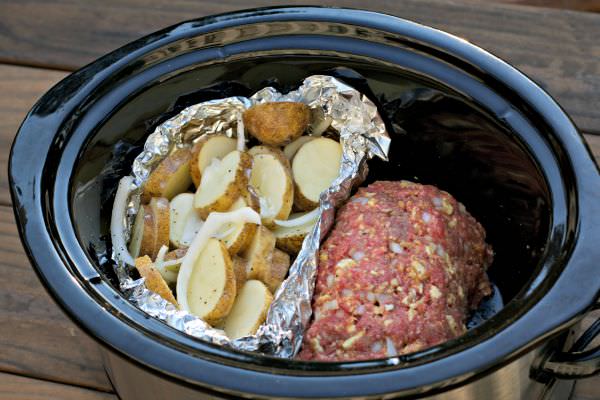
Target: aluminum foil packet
x: 362, y: 135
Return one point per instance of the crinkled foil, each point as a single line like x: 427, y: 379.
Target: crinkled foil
x: 362, y: 135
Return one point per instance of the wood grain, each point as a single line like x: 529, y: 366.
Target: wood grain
x: 36, y: 338
x: 14, y: 387
x: 579, y: 5
x: 558, y: 49
x: 20, y: 88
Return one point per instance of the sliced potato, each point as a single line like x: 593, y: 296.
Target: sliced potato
x: 222, y: 183
x: 277, y: 124
x: 185, y: 221
x: 207, y: 148
x: 249, y: 311
x: 240, y: 267
x: 280, y: 266
x: 260, y: 252
x: 170, y: 177
x: 272, y: 179
x: 291, y: 149
x: 153, y: 279
x: 211, y: 290
x: 290, y: 238
x: 241, y: 233
x: 315, y: 167
x: 137, y: 233
x: 156, y: 227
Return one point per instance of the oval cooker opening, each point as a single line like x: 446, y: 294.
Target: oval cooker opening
x: 439, y: 137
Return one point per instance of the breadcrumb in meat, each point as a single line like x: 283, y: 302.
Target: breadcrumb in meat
x: 420, y: 269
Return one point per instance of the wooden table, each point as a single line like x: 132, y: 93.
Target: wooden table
x: 43, y: 355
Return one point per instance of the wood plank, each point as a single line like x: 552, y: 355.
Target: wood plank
x: 14, y: 387
x: 559, y: 49
x: 579, y: 5
x: 36, y: 338
x: 20, y: 88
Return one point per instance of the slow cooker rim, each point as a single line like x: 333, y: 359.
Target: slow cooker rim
x: 16, y: 196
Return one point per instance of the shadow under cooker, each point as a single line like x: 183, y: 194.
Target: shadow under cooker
x: 452, y: 126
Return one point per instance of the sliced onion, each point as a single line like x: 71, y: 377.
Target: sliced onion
x: 302, y: 220
x: 117, y: 221
x: 168, y: 275
x: 320, y: 126
x: 241, y: 139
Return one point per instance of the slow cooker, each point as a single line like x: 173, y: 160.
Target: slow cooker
x: 459, y: 118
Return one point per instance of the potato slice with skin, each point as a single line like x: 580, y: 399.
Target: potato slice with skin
x: 170, y: 177
x: 222, y: 183
x: 249, y: 311
x: 211, y: 289
x: 277, y: 123
x: 272, y: 179
x: 242, y: 234
x: 174, y: 255
x: 291, y: 149
x: 280, y: 266
x: 185, y: 221
x: 153, y: 279
x: 240, y: 267
x: 156, y: 227
x: 290, y: 238
x: 315, y: 167
x: 260, y: 252
x: 207, y: 148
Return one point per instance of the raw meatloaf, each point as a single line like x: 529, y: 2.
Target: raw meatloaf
x: 399, y: 272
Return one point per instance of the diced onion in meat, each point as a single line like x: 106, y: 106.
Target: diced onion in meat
x: 376, y: 347
x: 330, y: 305
x: 396, y: 248
x: 390, y: 349
x: 358, y: 255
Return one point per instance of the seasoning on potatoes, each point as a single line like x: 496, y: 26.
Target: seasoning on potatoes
x: 151, y: 228
x: 170, y: 177
x: 249, y: 311
x: 278, y: 123
x: 272, y: 179
x: 222, y: 183
x: 207, y: 148
x: 153, y: 279
x: 210, y: 289
x: 315, y: 166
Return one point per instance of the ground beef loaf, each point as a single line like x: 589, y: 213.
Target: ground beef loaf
x: 398, y: 273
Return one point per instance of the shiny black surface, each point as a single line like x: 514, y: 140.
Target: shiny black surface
x: 461, y: 119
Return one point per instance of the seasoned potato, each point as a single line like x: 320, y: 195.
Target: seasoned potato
x: 222, y: 183
x: 185, y: 221
x: 210, y: 290
x: 315, y: 167
x: 241, y: 233
x: 249, y: 311
x: 278, y: 270
x: 170, y: 177
x: 260, y: 252
x: 277, y: 124
x: 291, y: 234
x: 272, y: 180
x: 153, y: 279
x: 155, y: 227
x: 207, y: 148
